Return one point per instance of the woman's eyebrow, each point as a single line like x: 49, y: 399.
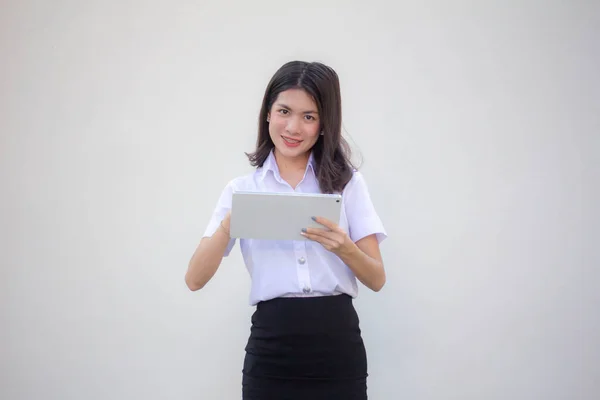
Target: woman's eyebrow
x: 289, y: 108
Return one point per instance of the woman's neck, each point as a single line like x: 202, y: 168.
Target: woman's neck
x: 291, y: 166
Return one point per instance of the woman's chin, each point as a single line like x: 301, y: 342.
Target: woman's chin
x: 292, y: 152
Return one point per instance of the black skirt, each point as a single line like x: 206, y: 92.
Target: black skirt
x: 305, y: 348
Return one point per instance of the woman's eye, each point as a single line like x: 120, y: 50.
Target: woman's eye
x: 283, y: 112
x: 310, y: 117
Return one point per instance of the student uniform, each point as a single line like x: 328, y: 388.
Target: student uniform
x: 305, y: 340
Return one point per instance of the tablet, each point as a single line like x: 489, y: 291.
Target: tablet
x: 280, y: 216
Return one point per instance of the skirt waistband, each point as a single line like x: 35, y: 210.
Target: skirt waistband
x: 307, y: 315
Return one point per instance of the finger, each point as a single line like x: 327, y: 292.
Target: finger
x: 326, y: 223
x: 325, y: 241
x: 320, y: 232
x: 333, y: 237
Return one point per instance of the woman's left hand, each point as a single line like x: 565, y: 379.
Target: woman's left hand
x: 333, y: 238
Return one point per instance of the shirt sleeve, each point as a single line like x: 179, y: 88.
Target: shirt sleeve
x: 220, y: 211
x: 363, y: 219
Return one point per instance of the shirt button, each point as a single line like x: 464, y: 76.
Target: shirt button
x: 306, y: 289
x: 301, y: 260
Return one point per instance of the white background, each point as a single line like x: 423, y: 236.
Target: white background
x: 477, y: 124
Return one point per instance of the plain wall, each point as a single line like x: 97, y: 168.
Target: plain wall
x: 477, y: 124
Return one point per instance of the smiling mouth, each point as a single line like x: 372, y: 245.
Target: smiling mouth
x: 291, y: 141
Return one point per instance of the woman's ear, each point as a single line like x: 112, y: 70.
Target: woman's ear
x: 268, y: 116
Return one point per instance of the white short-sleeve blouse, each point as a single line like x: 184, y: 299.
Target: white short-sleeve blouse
x: 299, y: 268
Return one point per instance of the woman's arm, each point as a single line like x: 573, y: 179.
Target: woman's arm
x: 207, y: 257
x: 363, y: 257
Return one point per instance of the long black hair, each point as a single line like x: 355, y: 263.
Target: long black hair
x: 331, y: 151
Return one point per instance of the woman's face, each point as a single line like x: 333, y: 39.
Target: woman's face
x: 294, y: 123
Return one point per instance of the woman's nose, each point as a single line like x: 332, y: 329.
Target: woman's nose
x: 293, y: 126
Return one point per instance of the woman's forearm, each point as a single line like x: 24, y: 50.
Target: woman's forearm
x: 206, y: 259
x: 367, y: 269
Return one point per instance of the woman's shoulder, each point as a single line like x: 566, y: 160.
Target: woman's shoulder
x: 356, y: 179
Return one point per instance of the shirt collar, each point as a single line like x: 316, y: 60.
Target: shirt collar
x: 270, y: 164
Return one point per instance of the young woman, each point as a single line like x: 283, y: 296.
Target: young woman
x: 305, y: 341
